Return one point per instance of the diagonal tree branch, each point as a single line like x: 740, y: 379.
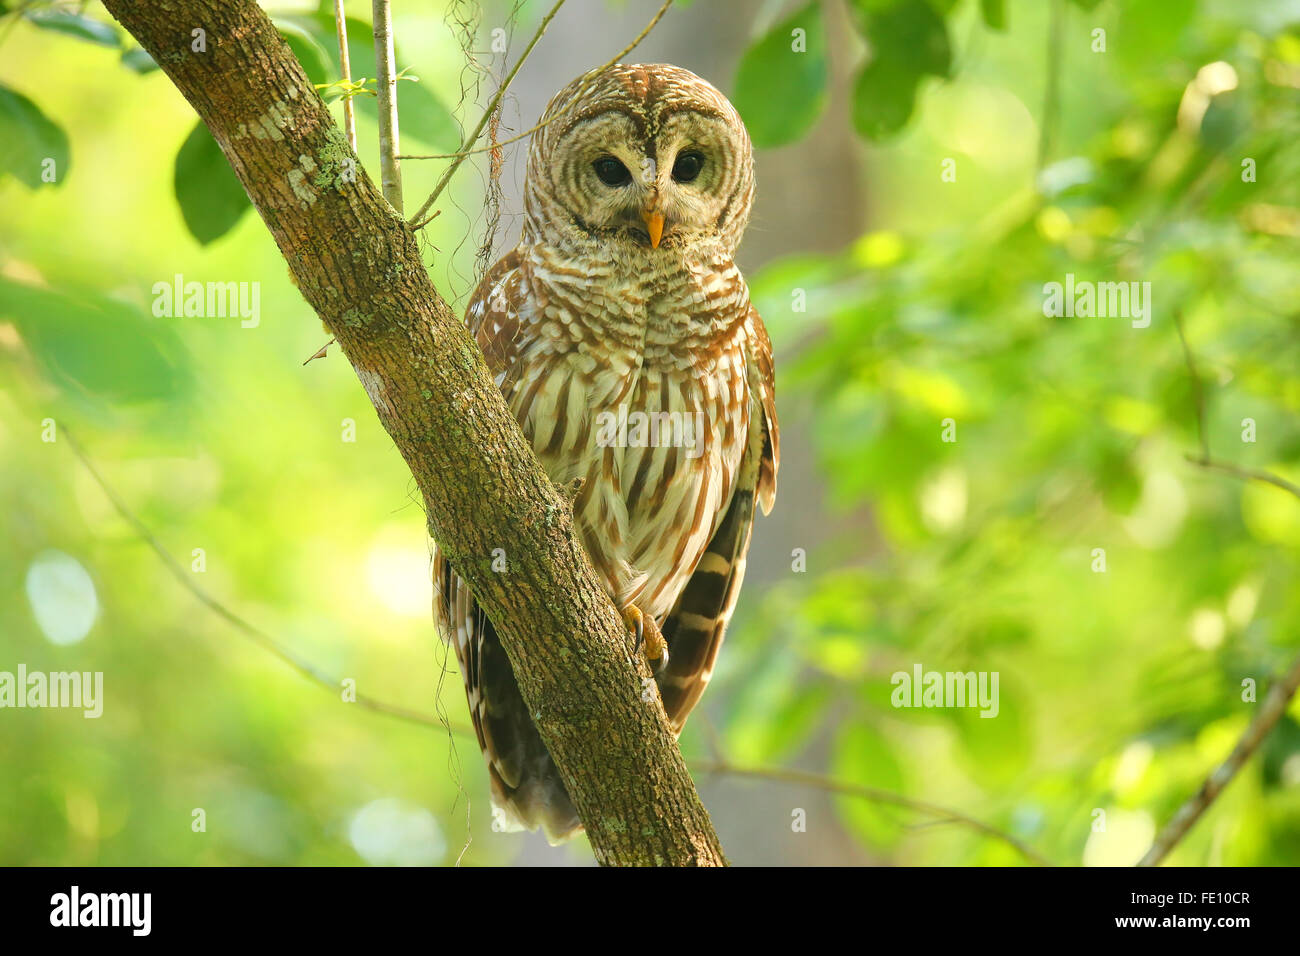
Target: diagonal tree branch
x: 1270, y: 712
x: 719, y: 765
x: 1284, y: 686
x: 358, y: 265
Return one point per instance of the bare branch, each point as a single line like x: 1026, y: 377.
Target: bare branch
x: 345, y: 63
x: 1283, y: 689
x: 718, y: 765
x: 389, y: 134
x: 1270, y: 712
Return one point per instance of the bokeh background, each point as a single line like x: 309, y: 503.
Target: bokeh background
x: 1162, y: 150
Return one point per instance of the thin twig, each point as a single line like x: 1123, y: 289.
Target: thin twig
x: 257, y: 636
x: 822, y: 782
x: 1246, y: 474
x: 345, y: 64
x: 464, y: 152
x: 389, y: 134
x: 472, y: 138
x: 1274, y: 706
x: 426, y: 220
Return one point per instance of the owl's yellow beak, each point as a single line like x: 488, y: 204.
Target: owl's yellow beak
x: 654, y: 223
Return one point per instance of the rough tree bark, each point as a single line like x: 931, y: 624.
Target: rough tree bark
x: 358, y: 265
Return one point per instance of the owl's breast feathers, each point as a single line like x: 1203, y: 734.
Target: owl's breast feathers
x: 637, y: 379
x: 652, y: 380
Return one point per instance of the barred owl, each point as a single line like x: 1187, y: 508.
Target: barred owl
x: 622, y: 336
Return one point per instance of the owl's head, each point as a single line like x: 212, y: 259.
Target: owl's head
x: 649, y: 156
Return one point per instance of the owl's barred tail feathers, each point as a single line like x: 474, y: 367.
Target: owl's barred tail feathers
x: 526, y: 789
x: 697, y: 623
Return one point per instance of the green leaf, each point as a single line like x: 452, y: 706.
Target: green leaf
x: 138, y: 60
x: 315, y: 61
x: 909, y: 34
x: 907, y: 41
x: 27, y: 139
x: 211, y: 196
x: 75, y: 25
x: 97, y: 348
x: 883, y: 98
x: 780, y: 88
x: 995, y: 13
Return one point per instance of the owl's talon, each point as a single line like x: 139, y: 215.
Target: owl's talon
x: 634, y: 619
x: 648, y: 639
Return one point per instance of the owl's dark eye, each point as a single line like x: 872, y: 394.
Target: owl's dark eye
x: 688, y: 166
x: 611, y: 171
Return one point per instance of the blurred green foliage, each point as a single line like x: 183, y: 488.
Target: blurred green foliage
x: 1005, y: 152
x: 1120, y: 690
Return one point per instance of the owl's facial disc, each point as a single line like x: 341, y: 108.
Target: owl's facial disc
x: 666, y: 184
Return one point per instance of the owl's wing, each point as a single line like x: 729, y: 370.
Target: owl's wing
x: 694, y: 628
x: 762, y: 378
x: 524, y: 781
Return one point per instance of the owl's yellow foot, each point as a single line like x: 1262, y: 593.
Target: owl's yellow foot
x: 649, y: 639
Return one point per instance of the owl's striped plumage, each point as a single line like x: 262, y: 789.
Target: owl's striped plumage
x: 596, y: 315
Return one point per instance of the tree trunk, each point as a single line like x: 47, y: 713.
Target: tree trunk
x: 358, y: 265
